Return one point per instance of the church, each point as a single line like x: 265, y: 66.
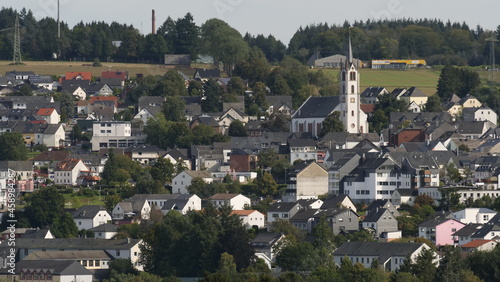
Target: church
x: 310, y: 115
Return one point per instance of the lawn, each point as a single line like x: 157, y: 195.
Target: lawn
x: 74, y: 201
x: 60, y: 68
x: 425, y: 79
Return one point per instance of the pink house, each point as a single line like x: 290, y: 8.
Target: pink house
x: 440, y: 230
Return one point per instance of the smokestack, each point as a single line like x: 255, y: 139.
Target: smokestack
x: 153, y: 22
x: 58, y: 23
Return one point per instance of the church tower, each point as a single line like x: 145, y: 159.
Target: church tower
x: 353, y: 118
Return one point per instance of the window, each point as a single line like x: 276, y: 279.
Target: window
x: 353, y: 100
x: 97, y: 263
x: 91, y: 263
x: 117, y: 253
x: 486, y: 217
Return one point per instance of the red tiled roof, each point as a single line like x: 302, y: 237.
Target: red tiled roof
x: 115, y: 74
x: 84, y: 75
x: 38, y: 121
x: 94, y: 99
x: 476, y: 243
x: 45, y: 112
x: 243, y: 212
x: 367, y: 108
x: 223, y: 196
x: 67, y: 165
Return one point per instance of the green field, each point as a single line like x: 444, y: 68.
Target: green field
x: 424, y: 79
x: 74, y: 201
x: 58, y: 68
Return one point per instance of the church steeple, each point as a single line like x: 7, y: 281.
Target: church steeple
x: 349, y: 50
x: 353, y: 118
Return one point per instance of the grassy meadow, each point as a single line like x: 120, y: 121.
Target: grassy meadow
x: 425, y: 79
x: 58, y: 68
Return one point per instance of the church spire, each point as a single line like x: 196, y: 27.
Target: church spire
x: 349, y: 50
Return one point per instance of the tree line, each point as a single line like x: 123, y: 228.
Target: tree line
x: 434, y: 40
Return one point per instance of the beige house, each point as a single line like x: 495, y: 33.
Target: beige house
x: 456, y: 105
x: 306, y: 181
x: 182, y: 180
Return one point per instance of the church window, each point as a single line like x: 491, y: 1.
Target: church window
x: 353, y: 100
x: 352, y: 113
x: 352, y: 89
x: 352, y: 75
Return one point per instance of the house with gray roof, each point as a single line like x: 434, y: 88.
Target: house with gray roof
x: 279, y: 105
x: 90, y: 216
x: 48, y: 270
x: 104, y: 231
x: 304, y: 219
x: 283, y: 211
x: 370, y: 94
x: 205, y: 74
x: 266, y: 246
x: 131, y: 209
x: 475, y: 129
x: 489, y: 231
x: 118, y: 249
x: 464, y: 234
x: 341, y: 220
x: 182, y: 180
x: 389, y: 255
x: 302, y: 149
x: 381, y: 221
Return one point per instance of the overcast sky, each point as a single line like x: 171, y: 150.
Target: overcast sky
x: 280, y: 18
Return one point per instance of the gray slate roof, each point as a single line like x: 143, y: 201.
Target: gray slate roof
x: 381, y: 249
x: 87, y: 211
x: 315, y: 107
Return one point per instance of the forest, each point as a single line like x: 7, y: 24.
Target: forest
x: 436, y: 41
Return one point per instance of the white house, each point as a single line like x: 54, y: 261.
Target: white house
x: 68, y: 171
x: 250, y: 218
x: 104, y: 231
x: 53, y: 135
x: 90, y: 216
x: 131, y: 209
x: 182, y: 180
x: 474, y: 215
x: 168, y: 202
x: 49, y: 115
x: 235, y: 201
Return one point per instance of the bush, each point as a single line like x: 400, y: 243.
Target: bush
x: 96, y: 63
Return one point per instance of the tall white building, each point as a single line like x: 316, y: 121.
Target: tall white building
x: 353, y: 118
x: 114, y: 134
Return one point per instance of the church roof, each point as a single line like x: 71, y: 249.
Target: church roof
x: 315, y: 107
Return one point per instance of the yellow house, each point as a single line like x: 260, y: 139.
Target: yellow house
x: 455, y: 108
x: 414, y: 95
